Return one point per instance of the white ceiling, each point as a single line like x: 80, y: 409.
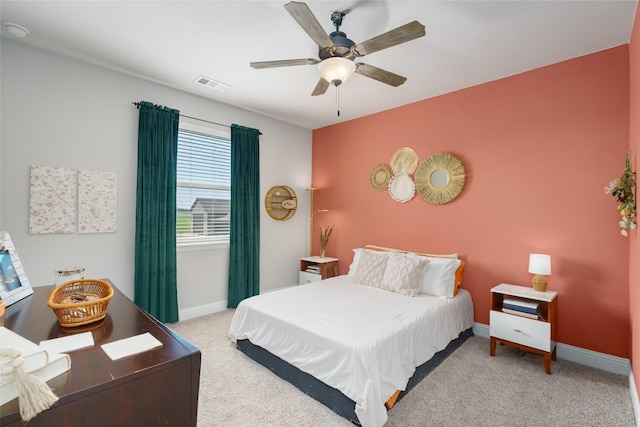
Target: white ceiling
x: 175, y: 42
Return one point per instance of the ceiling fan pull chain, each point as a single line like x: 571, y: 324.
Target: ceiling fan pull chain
x: 338, y: 99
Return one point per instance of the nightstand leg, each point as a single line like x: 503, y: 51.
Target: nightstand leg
x: 547, y: 363
x: 492, y: 346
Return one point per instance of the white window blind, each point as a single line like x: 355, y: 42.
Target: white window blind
x: 203, y: 187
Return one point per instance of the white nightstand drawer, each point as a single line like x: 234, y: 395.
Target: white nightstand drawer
x: 529, y: 332
x: 306, y: 277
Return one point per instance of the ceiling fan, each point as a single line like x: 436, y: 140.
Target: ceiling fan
x: 337, y: 52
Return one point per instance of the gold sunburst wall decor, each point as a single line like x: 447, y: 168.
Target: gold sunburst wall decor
x: 440, y: 178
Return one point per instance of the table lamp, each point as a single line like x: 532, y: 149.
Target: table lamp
x: 540, y: 265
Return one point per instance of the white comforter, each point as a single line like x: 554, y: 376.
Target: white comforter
x: 363, y: 341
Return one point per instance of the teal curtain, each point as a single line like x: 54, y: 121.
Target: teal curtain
x: 155, y: 243
x: 244, y: 239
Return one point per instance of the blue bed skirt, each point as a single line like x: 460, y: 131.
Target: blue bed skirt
x: 333, y: 398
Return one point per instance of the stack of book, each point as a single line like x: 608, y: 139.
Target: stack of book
x: 315, y: 269
x: 37, y: 361
x: 521, y: 307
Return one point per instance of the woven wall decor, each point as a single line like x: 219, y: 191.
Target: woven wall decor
x: 440, y: 178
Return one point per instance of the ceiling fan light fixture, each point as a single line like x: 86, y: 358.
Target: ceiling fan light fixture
x: 336, y: 70
x: 16, y: 30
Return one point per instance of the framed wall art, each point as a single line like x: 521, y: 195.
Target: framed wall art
x: 97, y: 202
x: 52, y: 200
x: 14, y: 284
x: 66, y: 201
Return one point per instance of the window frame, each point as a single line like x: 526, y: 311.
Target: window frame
x: 202, y: 242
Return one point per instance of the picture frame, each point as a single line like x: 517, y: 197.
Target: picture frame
x: 14, y: 284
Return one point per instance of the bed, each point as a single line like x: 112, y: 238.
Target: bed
x: 354, y: 335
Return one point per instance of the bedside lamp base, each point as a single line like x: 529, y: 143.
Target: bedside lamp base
x: 539, y: 283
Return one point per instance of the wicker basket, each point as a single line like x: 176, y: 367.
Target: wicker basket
x: 80, y: 302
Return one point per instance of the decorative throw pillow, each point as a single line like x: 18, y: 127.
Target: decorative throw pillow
x: 370, y: 268
x: 436, y: 278
x: 403, y: 274
x: 439, y: 278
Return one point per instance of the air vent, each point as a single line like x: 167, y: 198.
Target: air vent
x: 213, y: 84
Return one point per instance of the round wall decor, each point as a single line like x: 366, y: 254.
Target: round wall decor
x: 380, y: 176
x: 402, y: 188
x: 440, y: 178
x: 281, y: 202
x: 404, y: 160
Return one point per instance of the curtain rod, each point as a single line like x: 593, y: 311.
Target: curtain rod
x: 137, y: 104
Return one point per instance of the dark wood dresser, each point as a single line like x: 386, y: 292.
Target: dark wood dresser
x: 155, y: 388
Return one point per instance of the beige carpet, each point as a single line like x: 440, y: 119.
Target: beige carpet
x: 470, y: 388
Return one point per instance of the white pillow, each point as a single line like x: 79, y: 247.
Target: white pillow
x: 403, y: 274
x: 370, y: 268
x: 439, y: 278
x: 354, y: 263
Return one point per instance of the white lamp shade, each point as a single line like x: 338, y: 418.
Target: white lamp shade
x: 336, y: 70
x: 540, y: 264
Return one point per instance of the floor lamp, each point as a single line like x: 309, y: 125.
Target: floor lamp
x: 313, y: 213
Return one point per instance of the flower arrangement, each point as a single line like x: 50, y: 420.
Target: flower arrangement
x: 325, y: 232
x: 621, y: 190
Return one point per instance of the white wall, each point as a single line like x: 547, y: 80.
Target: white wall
x: 60, y: 112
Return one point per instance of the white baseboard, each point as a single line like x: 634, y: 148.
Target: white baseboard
x: 634, y: 398
x: 605, y: 362
x: 481, y: 330
x: 214, y: 307
x: 202, y: 310
x: 594, y: 359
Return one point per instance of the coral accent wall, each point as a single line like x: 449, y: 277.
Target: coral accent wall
x: 634, y: 242
x: 539, y: 148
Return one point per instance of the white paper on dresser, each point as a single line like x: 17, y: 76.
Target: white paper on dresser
x: 68, y: 343
x: 130, y: 346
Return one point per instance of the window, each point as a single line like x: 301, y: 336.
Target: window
x: 203, y: 190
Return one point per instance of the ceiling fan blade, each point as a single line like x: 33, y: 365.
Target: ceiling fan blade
x: 405, y: 33
x: 321, y: 87
x: 380, y: 74
x: 284, y: 63
x: 303, y: 16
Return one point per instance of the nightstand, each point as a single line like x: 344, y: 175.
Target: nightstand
x: 315, y: 268
x: 536, y: 334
